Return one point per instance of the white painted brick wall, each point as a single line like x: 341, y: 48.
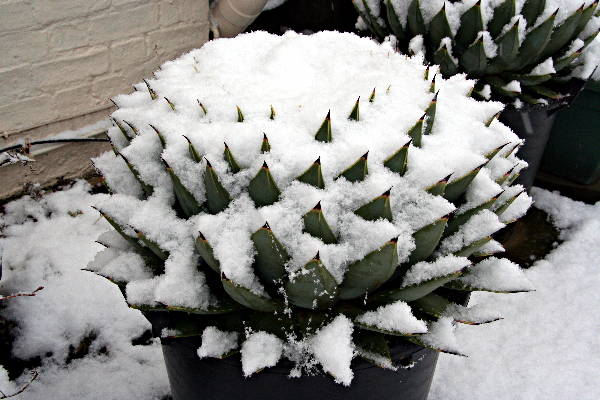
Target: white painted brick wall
x: 62, y: 59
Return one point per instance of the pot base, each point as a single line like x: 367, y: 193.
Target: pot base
x: 214, y: 379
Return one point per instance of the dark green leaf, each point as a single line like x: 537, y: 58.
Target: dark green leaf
x: 430, y: 116
x: 265, y: 146
x: 439, y: 28
x: 442, y: 57
x: 563, y: 34
x: 458, y: 220
x: 471, y: 23
x: 427, y: 239
x: 534, y: 44
x: 192, y: 151
x: 324, y: 132
x: 394, y: 22
x: 459, y: 186
x: 398, y: 161
x: 416, y: 132
x: 185, y: 199
x: 313, y: 175
x: 377, y: 208
x: 438, y: 189
x: 231, y: 161
x: 369, y: 343
x: 502, y: 16
x: 217, y: 198
x: 240, y: 114
x: 468, y: 250
x: 249, y: 299
x: 316, y: 225
x: 371, y: 272
x: 474, y: 59
x: 262, y: 188
x: 313, y: 287
x: 206, y: 252
x: 532, y: 9
x: 355, y: 113
x: 416, y: 24
x: 358, y: 171
x: 413, y: 292
x: 271, y: 256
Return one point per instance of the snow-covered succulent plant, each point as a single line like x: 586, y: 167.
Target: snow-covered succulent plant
x: 518, y: 49
x: 336, y: 219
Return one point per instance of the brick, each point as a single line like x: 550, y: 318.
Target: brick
x: 15, y: 15
x: 21, y: 84
x: 49, y: 11
x: 58, y: 72
x: 194, y: 11
x: 75, y: 101
x: 124, y: 24
x: 172, y: 42
x: 27, y: 113
x: 106, y: 87
x: 24, y: 46
x: 69, y: 36
x: 124, y: 55
x: 169, y: 12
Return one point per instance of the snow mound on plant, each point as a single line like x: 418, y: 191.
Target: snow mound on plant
x: 299, y: 76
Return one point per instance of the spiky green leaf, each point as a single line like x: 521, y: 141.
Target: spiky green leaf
x: 262, y: 188
x: 217, y: 197
x: 427, y: 239
x: 471, y: 23
x: 206, y: 252
x: 355, y: 113
x: 377, y: 208
x: 313, y: 175
x: 502, y: 16
x: 358, y: 171
x: 249, y: 299
x: 316, y: 225
x: 532, y: 9
x: 416, y: 24
x: 459, y: 186
x: 324, y: 132
x: 234, y: 167
x: 371, y: 272
x: 312, y: 287
x: 271, y: 256
x: 412, y: 292
x: 439, y: 28
x: 398, y: 161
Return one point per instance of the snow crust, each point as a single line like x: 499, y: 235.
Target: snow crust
x: 394, y: 317
x: 521, y: 352
x: 547, y: 346
x: 333, y: 348
x: 217, y: 343
x: 497, y: 274
x: 424, y: 271
x: 260, y: 350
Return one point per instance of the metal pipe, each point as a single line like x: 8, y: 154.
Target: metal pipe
x: 230, y: 17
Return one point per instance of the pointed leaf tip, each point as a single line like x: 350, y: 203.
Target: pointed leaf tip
x: 317, y: 206
x: 317, y: 257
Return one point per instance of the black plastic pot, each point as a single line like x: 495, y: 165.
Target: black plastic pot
x: 534, y: 124
x: 213, y: 379
x: 573, y: 151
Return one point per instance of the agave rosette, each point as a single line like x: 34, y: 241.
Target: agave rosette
x: 302, y: 224
x: 525, y: 50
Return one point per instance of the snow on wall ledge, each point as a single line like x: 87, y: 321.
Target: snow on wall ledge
x: 282, y: 87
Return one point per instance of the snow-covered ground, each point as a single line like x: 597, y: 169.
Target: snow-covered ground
x: 547, y: 347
